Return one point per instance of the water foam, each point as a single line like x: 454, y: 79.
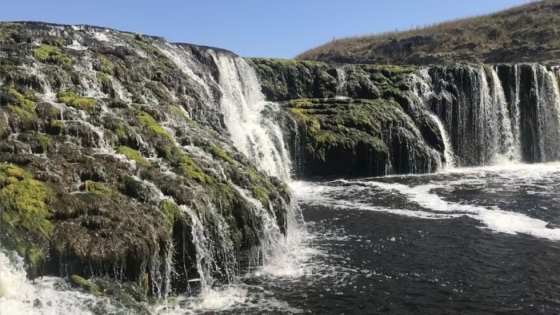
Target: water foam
x: 18, y: 295
x: 436, y: 207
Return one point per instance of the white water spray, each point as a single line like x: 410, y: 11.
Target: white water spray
x: 508, y: 147
x: 243, y: 104
x: 423, y: 90
x: 18, y: 295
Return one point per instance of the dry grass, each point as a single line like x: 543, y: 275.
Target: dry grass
x: 516, y: 34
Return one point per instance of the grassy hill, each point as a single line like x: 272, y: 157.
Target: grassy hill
x: 525, y: 33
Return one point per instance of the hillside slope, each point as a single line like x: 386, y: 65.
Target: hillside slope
x: 527, y: 33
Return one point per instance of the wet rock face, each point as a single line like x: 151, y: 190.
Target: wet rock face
x: 352, y: 120
x: 119, y: 147
x: 357, y: 138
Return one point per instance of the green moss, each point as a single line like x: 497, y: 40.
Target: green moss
x: 55, y: 127
x: 133, y: 155
x: 97, y: 188
x: 52, y: 54
x: 342, y: 126
x: 148, y: 122
x: 72, y: 99
x: 24, y: 212
x: 144, y: 44
x: 259, y: 193
x: 134, y: 188
x: 44, y: 141
x: 177, y: 112
x: 22, y: 114
x: 254, y: 175
x: 106, y: 65
x: 312, y: 123
x: 25, y: 101
x: 106, y: 83
x: 53, y: 41
x: 117, y: 126
x: 187, y: 166
x: 220, y: 153
x: 171, y: 210
x: 85, y: 285
x: 158, y: 90
x: 22, y: 105
x: 8, y: 31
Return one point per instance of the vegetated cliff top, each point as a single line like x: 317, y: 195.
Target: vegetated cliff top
x: 525, y: 33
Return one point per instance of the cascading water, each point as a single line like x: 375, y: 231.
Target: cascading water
x: 260, y: 138
x: 342, y: 83
x: 547, y: 106
x: 423, y: 90
x: 508, y: 146
x: 242, y: 104
x: 504, y: 113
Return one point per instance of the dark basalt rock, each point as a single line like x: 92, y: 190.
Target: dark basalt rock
x: 356, y: 138
x: 379, y: 128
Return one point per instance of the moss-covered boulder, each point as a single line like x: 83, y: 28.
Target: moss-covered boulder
x: 351, y: 120
x: 349, y: 138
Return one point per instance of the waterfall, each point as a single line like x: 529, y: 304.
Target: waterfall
x: 422, y: 89
x: 242, y: 104
x: 260, y: 138
x: 508, y: 148
x: 448, y: 150
x: 549, y: 123
x: 228, y: 85
x: 495, y: 114
x: 341, y: 84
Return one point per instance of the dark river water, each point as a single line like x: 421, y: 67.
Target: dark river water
x: 471, y: 241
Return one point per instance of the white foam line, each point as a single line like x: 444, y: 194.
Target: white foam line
x: 494, y: 219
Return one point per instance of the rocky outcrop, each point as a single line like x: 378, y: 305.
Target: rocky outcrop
x: 366, y: 120
x: 112, y: 152
x: 352, y: 120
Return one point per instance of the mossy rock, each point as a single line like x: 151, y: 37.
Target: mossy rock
x: 220, y: 154
x: 96, y: 188
x: 133, y: 155
x: 187, y: 166
x: 72, y: 99
x: 85, y: 285
x: 356, y: 137
x: 106, y: 84
x: 52, y: 54
x: 135, y: 189
x: 259, y: 193
x: 104, y: 65
x: 25, y: 214
x: 39, y: 143
x: 55, y: 127
x: 148, y: 122
x: 171, y: 210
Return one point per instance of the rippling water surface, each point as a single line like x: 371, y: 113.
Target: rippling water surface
x: 472, y: 241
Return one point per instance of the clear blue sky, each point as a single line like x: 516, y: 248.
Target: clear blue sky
x: 254, y: 28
